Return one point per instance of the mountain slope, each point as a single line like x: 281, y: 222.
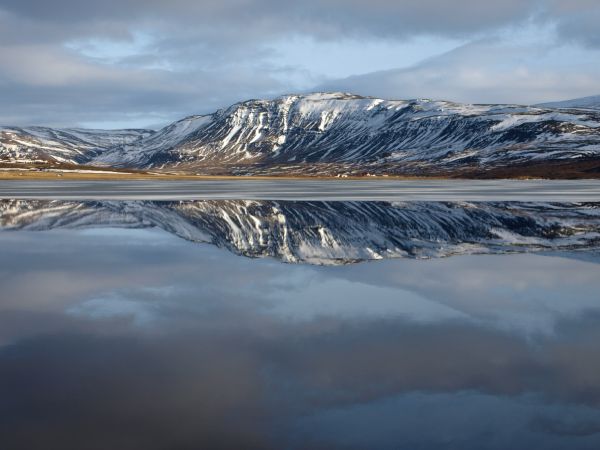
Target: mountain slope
x: 342, y: 132
x: 333, y: 232
x: 73, y: 146
x: 592, y: 102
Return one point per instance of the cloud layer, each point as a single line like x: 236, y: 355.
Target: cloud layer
x: 136, y: 62
x: 488, y: 71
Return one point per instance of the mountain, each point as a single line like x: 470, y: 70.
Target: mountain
x: 592, y: 102
x: 342, y: 133
x: 336, y: 133
x: 72, y: 146
x: 333, y: 233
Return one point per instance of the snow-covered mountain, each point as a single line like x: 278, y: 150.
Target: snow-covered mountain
x: 73, y: 146
x: 335, y: 133
x: 342, y: 132
x: 592, y: 102
x: 333, y: 232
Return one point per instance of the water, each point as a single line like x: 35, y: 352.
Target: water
x: 285, y: 324
x: 289, y: 189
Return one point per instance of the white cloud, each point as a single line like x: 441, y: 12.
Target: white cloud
x: 488, y: 72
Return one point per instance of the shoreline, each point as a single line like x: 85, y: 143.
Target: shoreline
x: 294, y: 189
x: 58, y: 175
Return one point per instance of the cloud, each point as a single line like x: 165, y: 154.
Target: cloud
x: 68, y: 62
x: 53, y: 87
x: 488, y: 71
x: 576, y: 20
x: 324, y: 18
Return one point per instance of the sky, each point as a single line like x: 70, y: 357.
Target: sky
x: 145, y: 63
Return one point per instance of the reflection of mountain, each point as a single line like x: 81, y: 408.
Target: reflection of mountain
x: 333, y: 232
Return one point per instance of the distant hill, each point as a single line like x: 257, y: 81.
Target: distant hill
x: 592, y: 102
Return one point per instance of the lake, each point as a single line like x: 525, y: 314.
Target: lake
x: 393, y: 323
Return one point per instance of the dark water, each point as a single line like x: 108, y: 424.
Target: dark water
x: 145, y: 325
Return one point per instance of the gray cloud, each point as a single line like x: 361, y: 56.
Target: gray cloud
x: 192, y: 57
x: 328, y: 19
x: 575, y: 20
x: 70, y: 90
x: 325, y: 18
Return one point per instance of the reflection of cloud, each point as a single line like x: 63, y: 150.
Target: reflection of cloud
x: 568, y: 427
x: 349, y: 300
x: 524, y: 293
x: 141, y: 313
x: 433, y: 421
x: 258, y: 375
x: 224, y: 355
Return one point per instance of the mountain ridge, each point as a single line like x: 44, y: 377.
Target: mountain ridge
x: 333, y: 134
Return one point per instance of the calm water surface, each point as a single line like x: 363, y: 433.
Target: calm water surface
x: 306, y: 189
x: 183, y: 325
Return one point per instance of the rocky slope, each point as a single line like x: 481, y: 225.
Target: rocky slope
x: 333, y: 232
x: 73, y: 146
